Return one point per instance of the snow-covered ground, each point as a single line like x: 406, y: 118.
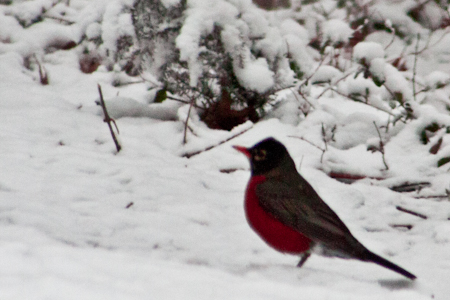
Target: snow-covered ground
x: 80, y: 221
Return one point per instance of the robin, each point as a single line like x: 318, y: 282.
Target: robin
x: 289, y: 215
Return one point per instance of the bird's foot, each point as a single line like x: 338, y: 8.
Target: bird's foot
x: 303, y: 258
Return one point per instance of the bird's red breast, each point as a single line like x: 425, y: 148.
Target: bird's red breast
x: 279, y: 236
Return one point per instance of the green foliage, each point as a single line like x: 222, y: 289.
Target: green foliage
x: 161, y: 95
x: 378, y: 82
x: 296, y: 68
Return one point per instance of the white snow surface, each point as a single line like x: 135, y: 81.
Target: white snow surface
x: 80, y: 221
x: 336, y: 31
x: 366, y: 51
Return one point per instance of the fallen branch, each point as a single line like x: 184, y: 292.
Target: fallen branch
x: 411, y: 212
x: 189, y: 155
x: 432, y: 197
x: 410, y: 187
x: 109, y: 120
x: 407, y: 226
x: 415, y: 67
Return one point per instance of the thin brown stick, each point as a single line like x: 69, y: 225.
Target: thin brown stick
x: 128, y: 83
x: 108, y: 120
x: 431, y: 197
x: 407, y: 226
x: 347, y: 96
x: 322, y: 59
x: 312, y: 144
x: 381, y: 147
x: 415, y: 67
x: 335, y: 84
x: 304, y: 98
x: 68, y: 22
x: 183, y: 101
x: 427, y: 45
x: 190, y: 154
x: 392, y: 40
x: 303, y: 139
x: 187, y: 120
x: 43, y: 76
x: 411, y: 212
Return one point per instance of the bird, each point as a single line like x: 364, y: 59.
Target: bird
x: 290, y: 216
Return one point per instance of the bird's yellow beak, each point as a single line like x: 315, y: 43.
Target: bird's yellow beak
x: 243, y: 150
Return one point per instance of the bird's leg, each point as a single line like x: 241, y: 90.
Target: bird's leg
x: 303, y: 258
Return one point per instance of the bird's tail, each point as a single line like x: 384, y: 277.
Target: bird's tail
x: 369, y: 256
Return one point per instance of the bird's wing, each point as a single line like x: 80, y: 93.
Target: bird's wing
x: 301, y: 208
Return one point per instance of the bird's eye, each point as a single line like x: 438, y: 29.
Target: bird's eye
x: 260, y: 155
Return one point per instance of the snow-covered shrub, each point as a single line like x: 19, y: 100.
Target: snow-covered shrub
x: 228, y: 55
x: 239, y: 62
x: 108, y: 38
x: 157, y: 24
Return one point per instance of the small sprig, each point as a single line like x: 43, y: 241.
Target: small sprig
x: 109, y: 120
x: 379, y: 147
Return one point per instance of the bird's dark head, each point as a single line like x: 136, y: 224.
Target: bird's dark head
x: 265, y: 155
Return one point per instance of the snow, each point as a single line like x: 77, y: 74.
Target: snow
x: 326, y: 74
x: 255, y: 75
x: 395, y: 13
x: 336, y: 31
x: 115, y: 24
x: 169, y: 3
x: 365, y: 52
x: 120, y: 107
x: 437, y: 78
x: 80, y: 221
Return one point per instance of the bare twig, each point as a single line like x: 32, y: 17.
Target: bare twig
x: 68, y: 22
x: 312, y: 144
x: 187, y: 120
x: 368, y: 103
x: 129, y: 205
x: 304, y: 98
x: 189, y: 155
x: 344, y: 76
x: 381, y: 148
x: 427, y: 44
x: 431, y: 197
x: 43, y: 76
x: 406, y: 226
x: 119, y: 84
x: 392, y: 40
x: 184, y: 101
x: 411, y: 212
x: 322, y: 59
x: 410, y: 187
x: 415, y: 67
x: 108, y: 120
x: 324, y: 137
